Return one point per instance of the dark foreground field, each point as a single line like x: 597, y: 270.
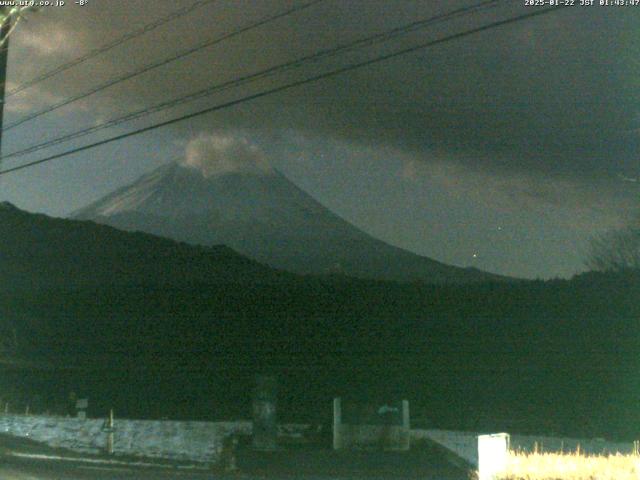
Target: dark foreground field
x: 420, y: 463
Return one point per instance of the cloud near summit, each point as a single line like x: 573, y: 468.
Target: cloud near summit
x: 217, y: 154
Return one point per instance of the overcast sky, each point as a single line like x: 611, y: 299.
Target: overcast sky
x: 506, y: 150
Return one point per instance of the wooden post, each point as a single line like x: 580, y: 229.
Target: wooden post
x: 265, y: 427
x: 406, y: 427
x: 337, y: 424
x: 110, y: 434
x: 108, y: 428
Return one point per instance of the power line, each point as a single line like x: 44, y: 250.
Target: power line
x: 181, y: 12
x: 166, y: 61
x: 363, y: 42
x: 288, y: 86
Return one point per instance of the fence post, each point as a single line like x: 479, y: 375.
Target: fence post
x: 406, y: 426
x: 108, y: 427
x: 337, y: 423
x: 493, y: 451
x: 110, y: 433
x: 265, y: 427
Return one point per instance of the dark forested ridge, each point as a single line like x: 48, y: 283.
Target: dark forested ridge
x: 40, y: 251
x: 551, y: 357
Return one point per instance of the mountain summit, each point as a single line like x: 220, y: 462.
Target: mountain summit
x: 261, y: 214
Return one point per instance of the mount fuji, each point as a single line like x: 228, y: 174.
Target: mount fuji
x: 261, y: 214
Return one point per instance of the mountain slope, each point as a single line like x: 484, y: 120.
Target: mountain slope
x: 265, y: 217
x: 39, y: 250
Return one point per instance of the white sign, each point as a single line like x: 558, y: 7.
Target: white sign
x: 493, y: 451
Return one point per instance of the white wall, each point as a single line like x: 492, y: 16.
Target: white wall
x: 190, y: 441
x: 201, y: 441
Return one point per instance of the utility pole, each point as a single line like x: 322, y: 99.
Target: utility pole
x: 4, y: 59
x: 9, y: 16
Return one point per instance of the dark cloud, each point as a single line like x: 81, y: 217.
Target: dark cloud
x: 554, y: 94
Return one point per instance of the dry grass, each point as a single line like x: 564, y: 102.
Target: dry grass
x: 571, y: 466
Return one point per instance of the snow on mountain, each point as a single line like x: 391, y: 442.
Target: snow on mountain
x: 211, y: 199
